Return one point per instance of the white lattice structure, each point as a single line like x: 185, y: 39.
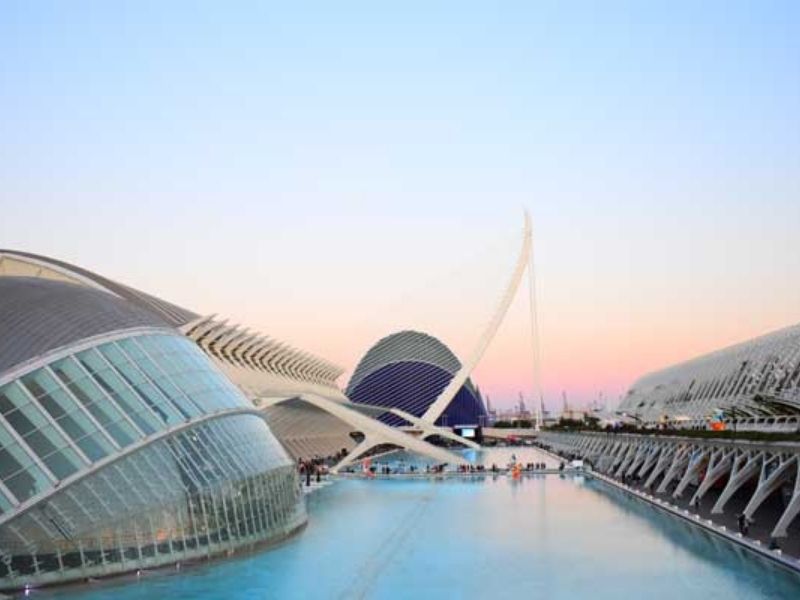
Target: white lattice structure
x: 291, y: 369
x: 759, y: 480
x: 756, y: 382
x: 305, y: 408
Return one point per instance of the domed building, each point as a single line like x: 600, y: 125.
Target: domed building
x: 408, y: 370
x: 294, y: 391
x: 122, y: 445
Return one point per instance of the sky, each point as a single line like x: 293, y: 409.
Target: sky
x: 331, y: 173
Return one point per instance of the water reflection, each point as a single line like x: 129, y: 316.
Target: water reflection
x: 702, y: 544
x: 543, y: 536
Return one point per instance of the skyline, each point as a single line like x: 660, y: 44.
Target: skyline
x: 318, y: 178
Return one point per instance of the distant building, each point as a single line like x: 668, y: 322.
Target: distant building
x: 573, y: 415
x: 756, y: 382
x: 490, y: 411
x: 408, y: 370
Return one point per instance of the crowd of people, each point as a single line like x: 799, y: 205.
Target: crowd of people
x: 402, y: 468
x: 317, y: 466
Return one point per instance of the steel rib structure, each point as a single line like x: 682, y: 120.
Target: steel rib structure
x: 122, y: 446
x: 262, y: 367
x: 408, y: 370
x: 756, y: 382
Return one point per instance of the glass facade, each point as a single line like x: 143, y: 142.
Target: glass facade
x: 208, y: 488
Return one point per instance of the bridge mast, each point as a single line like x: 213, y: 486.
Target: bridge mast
x: 534, y: 321
x: 443, y: 401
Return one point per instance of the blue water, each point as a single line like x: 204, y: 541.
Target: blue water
x: 545, y: 537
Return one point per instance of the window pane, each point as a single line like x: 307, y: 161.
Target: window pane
x: 12, y: 459
x: 27, y: 483
x: 57, y: 403
x: 94, y: 447
x: 157, y: 403
x: 91, y: 361
x: 5, y: 503
x: 11, y: 397
x: 156, y: 374
x: 131, y: 348
x: 104, y: 412
x: 122, y: 433
x: 76, y: 425
x: 67, y: 370
x: 63, y: 463
x: 128, y: 401
x: 39, y: 383
x: 25, y: 420
x: 40, y: 443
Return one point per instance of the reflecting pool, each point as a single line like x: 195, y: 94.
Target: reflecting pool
x: 545, y: 536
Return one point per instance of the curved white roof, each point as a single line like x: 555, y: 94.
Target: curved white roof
x: 39, y: 315
x: 404, y: 346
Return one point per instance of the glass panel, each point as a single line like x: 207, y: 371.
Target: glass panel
x: 12, y: 459
x: 5, y: 503
x: 26, y: 419
x: 87, y: 392
x: 187, y: 368
x: 94, y: 447
x: 39, y: 383
x: 41, y: 441
x: 149, y: 381
x: 152, y: 345
x: 27, y: 483
x: 132, y: 349
x: 58, y: 403
x: 11, y: 397
x: 63, y: 463
x: 157, y: 403
x: 165, y: 386
x: 55, y: 405
x: 113, y: 354
x: 76, y: 425
x: 129, y: 401
x: 166, y: 410
x: 67, y: 370
x: 91, y: 361
x: 122, y: 433
x: 187, y: 407
x: 131, y: 374
x: 101, y: 440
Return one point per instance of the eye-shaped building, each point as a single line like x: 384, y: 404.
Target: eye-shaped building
x: 122, y: 445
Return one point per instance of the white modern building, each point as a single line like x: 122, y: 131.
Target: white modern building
x: 122, y: 446
x: 755, y: 383
x: 135, y: 433
x: 296, y: 391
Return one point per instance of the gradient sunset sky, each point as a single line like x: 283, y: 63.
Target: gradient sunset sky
x: 330, y: 173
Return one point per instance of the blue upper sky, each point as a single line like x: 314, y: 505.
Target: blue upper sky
x: 276, y: 161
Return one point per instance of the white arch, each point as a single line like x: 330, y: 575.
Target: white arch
x: 375, y: 432
x: 441, y: 403
x: 427, y: 429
